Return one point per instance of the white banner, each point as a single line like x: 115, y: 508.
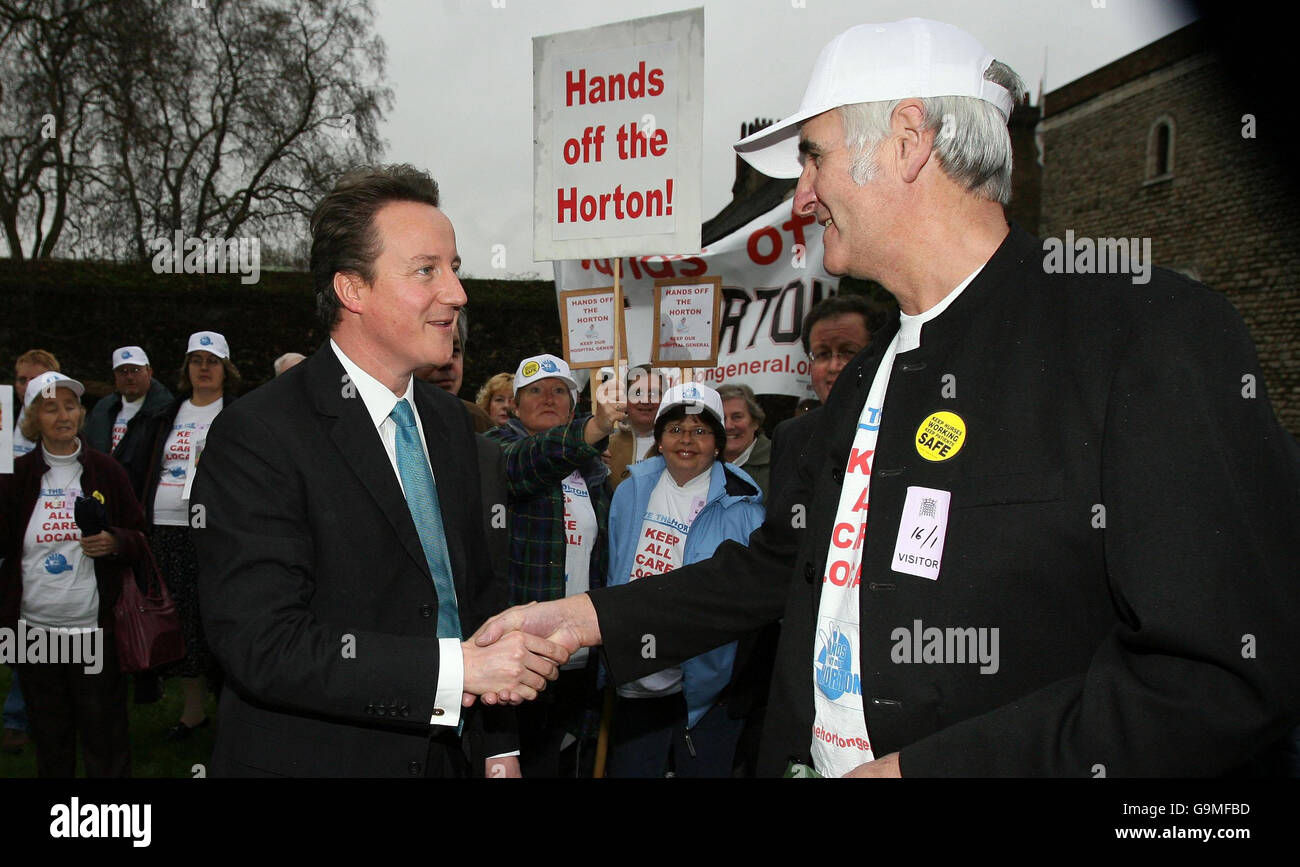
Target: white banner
x: 617, y: 125
x: 772, y: 274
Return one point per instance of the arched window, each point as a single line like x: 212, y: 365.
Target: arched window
x: 1160, y: 149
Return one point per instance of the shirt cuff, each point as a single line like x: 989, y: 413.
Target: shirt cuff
x: 451, y: 683
x: 504, y: 755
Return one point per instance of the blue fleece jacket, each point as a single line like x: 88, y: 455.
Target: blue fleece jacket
x: 733, y: 510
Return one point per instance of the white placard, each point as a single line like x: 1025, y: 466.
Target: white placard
x: 772, y: 275
x: 7, y: 429
x: 588, y: 319
x: 617, y: 126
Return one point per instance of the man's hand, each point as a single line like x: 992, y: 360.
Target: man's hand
x: 569, y: 622
x: 101, y: 544
x: 517, y: 666
x: 506, y: 766
x: 885, y: 766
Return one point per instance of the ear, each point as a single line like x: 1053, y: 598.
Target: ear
x: 350, y: 289
x: 912, y: 143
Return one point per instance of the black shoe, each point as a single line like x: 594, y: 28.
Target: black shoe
x: 148, y: 688
x: 181, y: 731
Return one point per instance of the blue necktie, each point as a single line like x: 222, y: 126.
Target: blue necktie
x: 422, y: 500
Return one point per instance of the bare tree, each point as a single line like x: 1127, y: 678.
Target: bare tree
x: 224, y: 120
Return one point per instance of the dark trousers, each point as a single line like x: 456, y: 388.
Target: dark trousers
x: 560, y: 710
x: 650, y: 739
x: 63, y: 702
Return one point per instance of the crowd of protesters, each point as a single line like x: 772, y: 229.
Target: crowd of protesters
x: 138, y: 447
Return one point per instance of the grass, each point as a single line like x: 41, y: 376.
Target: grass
x: 150, y: 756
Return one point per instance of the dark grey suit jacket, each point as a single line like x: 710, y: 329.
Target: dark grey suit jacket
x: 315, y: 593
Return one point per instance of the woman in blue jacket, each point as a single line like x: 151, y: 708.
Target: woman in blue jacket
x: 675, y: 509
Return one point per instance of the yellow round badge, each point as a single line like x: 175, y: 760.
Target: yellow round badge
x: 940, y: 436
x: 531, y: 367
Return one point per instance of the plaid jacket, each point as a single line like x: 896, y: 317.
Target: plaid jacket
x: 535, y: 466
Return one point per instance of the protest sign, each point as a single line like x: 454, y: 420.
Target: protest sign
x: 588, y: 317
x: 771, y: 274
x: 617, y: 115
x: 686, y: 319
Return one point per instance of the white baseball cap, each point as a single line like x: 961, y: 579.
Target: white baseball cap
x: 544, y: 367
x: 129, y: 355
x: 695, y: 397
x: 875, y: 63
x: 48, y: 381
x: 209, y: 341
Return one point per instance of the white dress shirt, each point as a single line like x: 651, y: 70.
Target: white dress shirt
x: 379, y: 402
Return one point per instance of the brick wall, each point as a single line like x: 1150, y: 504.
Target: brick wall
x: 1226, y: 215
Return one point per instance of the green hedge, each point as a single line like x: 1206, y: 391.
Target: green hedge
x: 82, y: 311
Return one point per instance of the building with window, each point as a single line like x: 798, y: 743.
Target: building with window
x: 1161, y: 145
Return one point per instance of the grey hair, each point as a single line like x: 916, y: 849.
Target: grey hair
x: 971, y: 140
x: 745, y: 393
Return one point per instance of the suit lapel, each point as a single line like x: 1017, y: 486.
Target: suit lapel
x: 358, y: 442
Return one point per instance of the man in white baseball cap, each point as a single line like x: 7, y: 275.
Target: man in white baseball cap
x: 118, y: 416
x: 1054, y: 460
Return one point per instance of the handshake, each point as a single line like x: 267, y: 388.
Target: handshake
x: 512, y: 655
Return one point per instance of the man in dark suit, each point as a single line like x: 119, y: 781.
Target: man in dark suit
x: 1082, y: 507
x: 339, y: 525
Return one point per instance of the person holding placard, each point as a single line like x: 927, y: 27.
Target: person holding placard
x: 677, y: 508
x: 163, y: 473
x: 559, y: 515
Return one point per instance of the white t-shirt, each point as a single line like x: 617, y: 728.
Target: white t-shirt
x: 641, y: 445
x: 840, y: 741
x: 660, y: 548
x: 59, y: 588
x: 124, y: 416
x: 180, y: 451
x: 580, y: 531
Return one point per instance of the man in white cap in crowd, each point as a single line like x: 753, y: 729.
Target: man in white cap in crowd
x: 120, y: 415
x: 1081, y: 552
x: 286, y: 361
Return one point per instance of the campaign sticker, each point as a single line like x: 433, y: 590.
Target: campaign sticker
x: 940, y: 436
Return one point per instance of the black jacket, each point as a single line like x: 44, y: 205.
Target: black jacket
x: 1124, y: 510
x: 307, y: 548
x: 99, y: 426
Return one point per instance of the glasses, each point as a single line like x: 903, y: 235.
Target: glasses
x: 844, y: 355
x: 699, y: 432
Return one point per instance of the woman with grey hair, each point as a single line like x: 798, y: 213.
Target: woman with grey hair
x: 61, y: 577
x: 747, y: 446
